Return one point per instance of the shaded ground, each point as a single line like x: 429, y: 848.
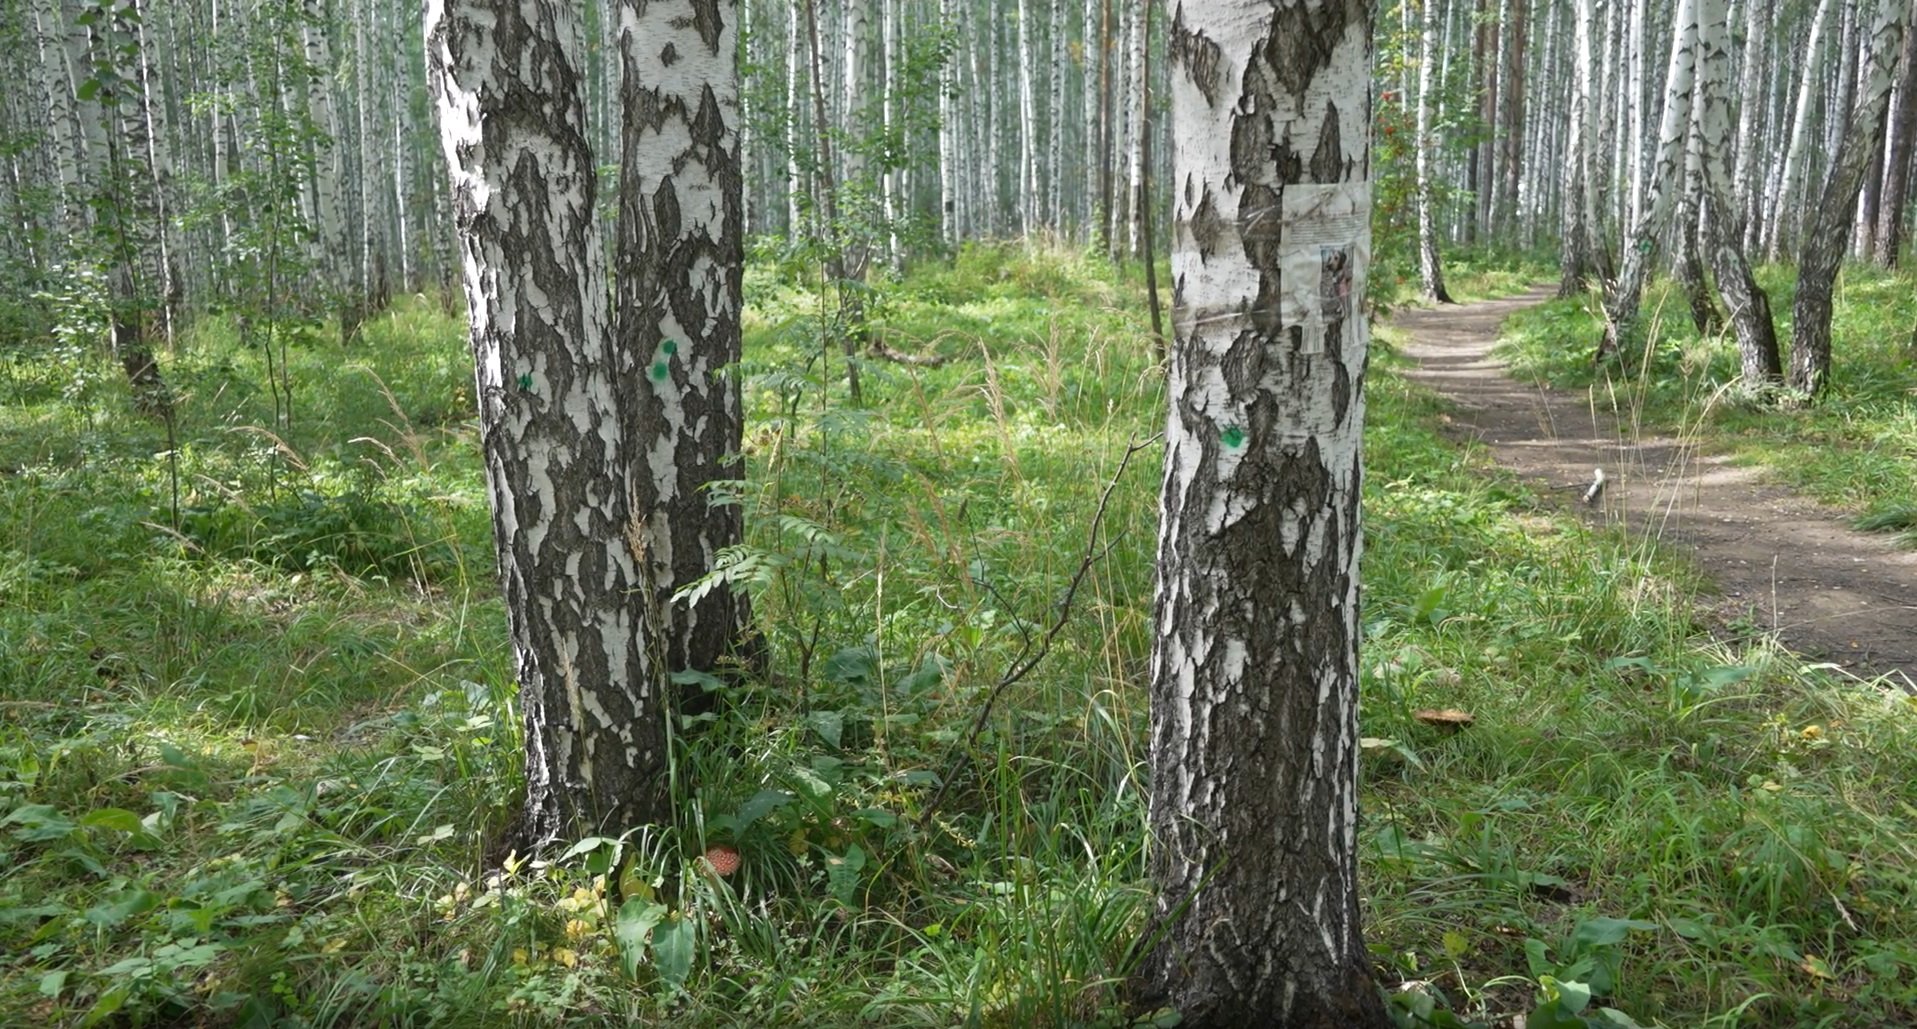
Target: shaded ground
x: 1782, y: 563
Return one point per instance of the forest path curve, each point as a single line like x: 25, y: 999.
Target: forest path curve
x: 1827, y: 591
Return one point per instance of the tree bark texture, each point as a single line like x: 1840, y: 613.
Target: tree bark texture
x: 1666, y: 180
x: 507, y: 80
x: 1903, y: 132
x: 1827, y: 232
x: 1254, y: 667
x: 1746, y: 303
x: 1430, y: 267
x: 681, y: 260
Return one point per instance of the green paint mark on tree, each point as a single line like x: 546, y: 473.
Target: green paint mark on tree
x: 660, y: 371
x: 1233, y: 436
x: 525, y: 383
x: 671, y: 347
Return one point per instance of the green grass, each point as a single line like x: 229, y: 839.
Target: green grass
x: 1855, y: 449
x: 249, y: 767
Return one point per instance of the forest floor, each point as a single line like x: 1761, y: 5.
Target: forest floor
x: 1781, y: 563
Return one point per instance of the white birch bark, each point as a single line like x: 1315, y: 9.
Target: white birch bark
x: 1254, y: 663
x: 1055, y: 123
x: 1135, y: 100
x: 1027, y: 178
x: 1430, y: 268
x: 507, y: 80
x: 64, y: 136
x: 1824, y: 236
x: 1674, y: 129
x: 681, y: 258
x: 1788, y: 198
x: 949, y: 129
x: 1750, y: 111
x: 329, y: 249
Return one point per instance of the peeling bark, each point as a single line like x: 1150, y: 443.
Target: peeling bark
x: 1825, y: 235
x: 681, y: 260
x: 1746, y: 303
x: 507, y: 78
x: 1254, y: 667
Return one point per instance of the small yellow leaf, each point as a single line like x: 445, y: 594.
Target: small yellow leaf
x: 1817, y: 967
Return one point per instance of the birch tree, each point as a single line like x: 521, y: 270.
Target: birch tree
x: 1674, y: 131
x: 1581, y: 258
x: 1430, y: 270
x: 1786, y: 201
x: 1747, y: 305
x: 1889, y: 237
x: 1254, y: 745
x: 681, y: 261
x: 1826, y: 234
x: 507, y: 78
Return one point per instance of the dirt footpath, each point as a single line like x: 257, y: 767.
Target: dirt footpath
x: 1830, y: 593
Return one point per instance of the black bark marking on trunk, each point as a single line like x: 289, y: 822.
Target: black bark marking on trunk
x: 661, y: 275
x: 1301, y: 41
x: 1207, y: 226
x: 710, y: 23
x: 1328, y: 160
x: 1198, y: 55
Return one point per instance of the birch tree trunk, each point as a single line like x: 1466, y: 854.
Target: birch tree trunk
x: 1430, y: 269
x: 1752, y: 90
x: 1745, y: 302
x: 948, y: 135
x: 1091, y: 61
x: 1789, y: 197
x: 125, y: 204
x: 851, y: 305
x: 1674, y: 130
x: 1580, y: 261
x: 681, y: 261
x: 1055, y: 124
x: 1136, y: 93
x: 507, y: 78
x: 1027, y: 179
x: 1825, y: 235
x: 1254, y: 666
x: 330, y: 172
x: 1511, y: 96
x: 1690, y: 260
x: 1903, y: 132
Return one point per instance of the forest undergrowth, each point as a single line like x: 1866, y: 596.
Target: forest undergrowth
x: 255, y: 745
x: 1855, y: 449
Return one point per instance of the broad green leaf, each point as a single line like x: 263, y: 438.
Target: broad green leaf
x: 633, y: 928
x: 830, y: 725
x: 842, y: 873
x: 1573, y: 997
x: 1604, y: 932
x: 110, y: 1001
x: 673, y: 944
x: 117, y: 819
x: 762, y: 804
x: 112, y: 913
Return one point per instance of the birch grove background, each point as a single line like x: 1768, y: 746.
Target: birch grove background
x: 207, y: 143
